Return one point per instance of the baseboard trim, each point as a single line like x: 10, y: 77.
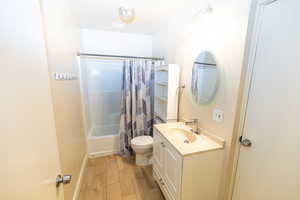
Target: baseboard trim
x: 80, y: 177
x: 102, y: 153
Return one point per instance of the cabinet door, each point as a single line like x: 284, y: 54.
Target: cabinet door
x: 158, y: 152
x: 172, y: 170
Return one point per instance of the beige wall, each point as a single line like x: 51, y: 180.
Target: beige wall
x: 62, y: 38
x: 223, y: 32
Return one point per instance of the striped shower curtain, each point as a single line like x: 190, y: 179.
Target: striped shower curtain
x: 137, y: 104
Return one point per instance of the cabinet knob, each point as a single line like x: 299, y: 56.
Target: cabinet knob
x: 162, y: 144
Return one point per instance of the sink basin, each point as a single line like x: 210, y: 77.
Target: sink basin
x: 182, y: 135
x: 186, y: 142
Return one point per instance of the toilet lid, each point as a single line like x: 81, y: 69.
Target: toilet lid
x: 142, y: 141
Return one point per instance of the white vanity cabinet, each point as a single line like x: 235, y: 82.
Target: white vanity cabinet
x: 185, y: 177
x: 166, y: 167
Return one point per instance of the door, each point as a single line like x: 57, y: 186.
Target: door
x: 269, y: 169
x: 172, y: 170
x: 28, y: 146
x: 158, y: 153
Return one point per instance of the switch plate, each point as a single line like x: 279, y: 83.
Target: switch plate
x: 218, y: 115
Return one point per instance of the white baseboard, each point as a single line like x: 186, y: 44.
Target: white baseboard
x: 102, y: 153
x: 80, y: 177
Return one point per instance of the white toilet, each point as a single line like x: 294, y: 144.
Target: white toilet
x: 142, y: 146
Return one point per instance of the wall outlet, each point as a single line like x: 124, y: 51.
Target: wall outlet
x: 218, y: 115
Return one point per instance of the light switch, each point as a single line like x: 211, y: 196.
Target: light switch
x: 218, y: 115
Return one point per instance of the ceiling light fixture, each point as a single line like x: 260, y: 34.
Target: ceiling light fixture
x: 126, y: 14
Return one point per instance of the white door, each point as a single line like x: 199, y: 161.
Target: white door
x: 29, y: 160
x: 172, y: 170
x: 158, y: 153
x: 270, y: 168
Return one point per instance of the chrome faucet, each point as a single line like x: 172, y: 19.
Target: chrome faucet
x: 194, y: 124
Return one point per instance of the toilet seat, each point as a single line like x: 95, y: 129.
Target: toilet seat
x: 142, y: 142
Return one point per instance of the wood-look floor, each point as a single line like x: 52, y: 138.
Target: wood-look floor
x: 117, y: 178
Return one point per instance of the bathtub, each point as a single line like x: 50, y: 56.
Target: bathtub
x: 103, y: 140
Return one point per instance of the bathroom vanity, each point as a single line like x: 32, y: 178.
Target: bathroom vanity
x: 187, y: 166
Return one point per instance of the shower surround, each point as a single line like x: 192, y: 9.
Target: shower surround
x: 101, y: 82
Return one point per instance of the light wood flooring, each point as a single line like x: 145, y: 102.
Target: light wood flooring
x: 116, y: 178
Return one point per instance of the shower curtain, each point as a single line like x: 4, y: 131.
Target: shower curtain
x: 137, y: 101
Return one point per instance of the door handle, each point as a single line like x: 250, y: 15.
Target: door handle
x: 63, y: 179
x: 245, y: 142
x: 161, y: 181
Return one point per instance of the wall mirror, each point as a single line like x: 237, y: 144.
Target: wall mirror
x: 204, y: 80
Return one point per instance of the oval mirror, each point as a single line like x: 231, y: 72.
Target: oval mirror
x: 204, y: 78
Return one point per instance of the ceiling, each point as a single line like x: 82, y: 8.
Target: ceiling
x: 151, y: 15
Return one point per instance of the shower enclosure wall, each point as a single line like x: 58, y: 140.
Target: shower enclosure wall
x: 101, y: 82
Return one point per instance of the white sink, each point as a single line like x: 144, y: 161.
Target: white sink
x: 182, y: 135
x: 185, y: 141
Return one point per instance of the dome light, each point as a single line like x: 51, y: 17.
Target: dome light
x: 126, y: 14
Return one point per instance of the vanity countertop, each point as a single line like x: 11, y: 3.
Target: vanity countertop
x: 204, y: 142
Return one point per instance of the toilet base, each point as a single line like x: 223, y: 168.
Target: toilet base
x: 143, y: 159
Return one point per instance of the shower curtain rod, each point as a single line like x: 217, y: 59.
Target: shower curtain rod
x: 118, y: 56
